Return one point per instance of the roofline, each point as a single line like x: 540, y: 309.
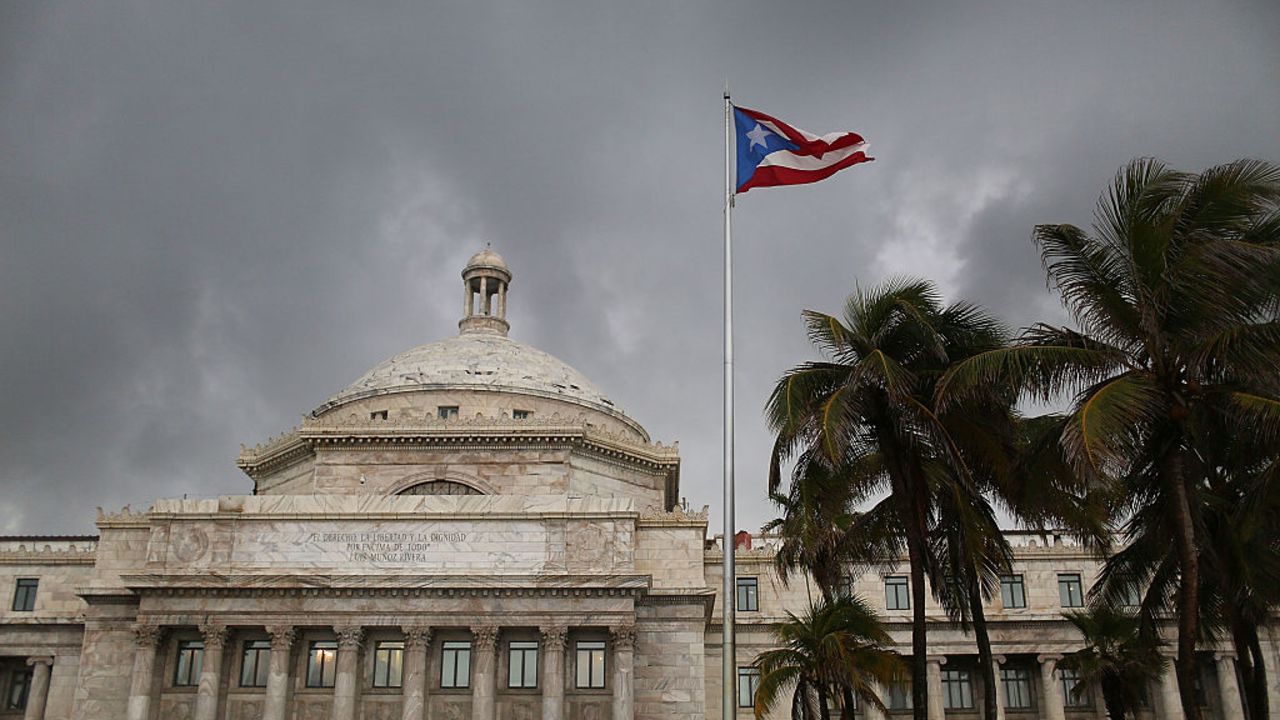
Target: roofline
x: 76, y: 538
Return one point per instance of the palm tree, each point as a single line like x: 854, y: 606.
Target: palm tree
x: 1117, y: 659
x: 838, y: 646
x: 1176, y: 293
x: 866, y: 415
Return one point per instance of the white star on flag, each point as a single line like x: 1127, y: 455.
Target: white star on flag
x: 758, y: 135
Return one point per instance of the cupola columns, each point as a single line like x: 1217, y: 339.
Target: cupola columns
x: 484, y: 282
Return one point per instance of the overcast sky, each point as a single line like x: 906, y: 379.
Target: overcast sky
x: 213, y: 216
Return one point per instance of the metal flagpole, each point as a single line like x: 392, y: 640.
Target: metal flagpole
x: 729, y: 672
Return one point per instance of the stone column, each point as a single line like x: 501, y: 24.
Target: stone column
x: 1054, y: 704
x: 1228, y: 687
x: 869, y: 711
x: 142, y: 681
x: 282, y: 637
x: 624, y: 642
x: 38, y: 693
x: 348, y: 671
x: 502, y: 300
x: 553, y: 642
x: 1170, y: 702
x: 996, y: 664
x: 417, y: 639
x: 215, y: 639
x: 484, y: 296
x: 468, y: 300
x: 935, y: 687
x: 484, y: 640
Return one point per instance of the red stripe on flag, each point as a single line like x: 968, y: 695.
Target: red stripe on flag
x: 773, y: 175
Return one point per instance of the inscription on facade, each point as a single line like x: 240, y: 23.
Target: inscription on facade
x: 437, y: 546
x: 389, y: 547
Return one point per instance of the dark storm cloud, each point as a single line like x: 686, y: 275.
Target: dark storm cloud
x: 212, y: 217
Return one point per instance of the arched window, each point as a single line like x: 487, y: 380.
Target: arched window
x: 440, y: 487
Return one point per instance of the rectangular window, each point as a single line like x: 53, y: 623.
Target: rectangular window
x: 748, y: 683
x: 455, y: 664
x: 447, y: 412
x: 589, y: 665
x: 322, y: 659
x: 19, y: 687
x: 522, y: 664
x: 388, y: 664
x: 24, y: 595
x: 1012, y: 592
x: 957, y: 690
x: 521, y: 414
x: 378, y: 415
x: 899, y: 695
x: 1017, y: 688
x: 1070, y: 590
x: 1074, y: 694
x: 254, y: 663
x: 897, y: 595
x: 186, y: 671
x: 748, y: 594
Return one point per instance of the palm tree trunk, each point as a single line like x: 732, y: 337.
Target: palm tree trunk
x: 1113, y: 698
x: 1253, y: 672
x: 824, y: 711
x: 919, y: 638
x: 1188, y: 586
x: 985, y: 657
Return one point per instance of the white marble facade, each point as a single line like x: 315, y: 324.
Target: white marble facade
x: 469, y: 530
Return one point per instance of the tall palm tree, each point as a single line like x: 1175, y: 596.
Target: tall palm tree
x: 866, y: 413
x: 1176, y: 293
x: 1117, y: 659
x: 838, y: 647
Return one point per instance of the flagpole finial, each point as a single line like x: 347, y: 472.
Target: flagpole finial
x: 726, y: 89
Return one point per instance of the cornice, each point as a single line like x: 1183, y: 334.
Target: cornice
x: 470, y: 433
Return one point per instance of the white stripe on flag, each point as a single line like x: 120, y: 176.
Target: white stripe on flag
x: 788, y: 159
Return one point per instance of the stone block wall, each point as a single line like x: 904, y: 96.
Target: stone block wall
x: 669, y: 661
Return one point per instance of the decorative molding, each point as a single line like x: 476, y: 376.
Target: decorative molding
x: 282, y: 637
x: 676, y: 517
x: 147, y: 636
x: 215, y: 635
x: 484, y: 636
x: 553, y: 637
x: 416, y: 637
x: 624, y: 636
x: 49, y: 555
x: 125, y: 517
x: 349, y: 636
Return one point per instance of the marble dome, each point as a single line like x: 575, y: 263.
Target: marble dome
x: 481, y: 362
x: 481, y: 358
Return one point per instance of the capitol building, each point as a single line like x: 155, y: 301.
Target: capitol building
x: 474, y: 530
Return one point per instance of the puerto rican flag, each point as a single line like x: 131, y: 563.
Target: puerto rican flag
x: 771, y: 152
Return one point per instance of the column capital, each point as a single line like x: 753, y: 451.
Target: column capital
x: 215, y: 635
x: 1220, y: 655
x: 282, y: 637
x: 147, y: 635
x: 484, y: 636
x: 624, y: 636
x: 349, y: 636
x: 938, y: 660
x: 553, y: 637
x: 416, y: 636
x: 42, y: 660
x: 1000, y: 659
x: 1049, y: 658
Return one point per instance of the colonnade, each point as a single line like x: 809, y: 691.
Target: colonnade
x: 1051, y: 704
x: 415, y: 683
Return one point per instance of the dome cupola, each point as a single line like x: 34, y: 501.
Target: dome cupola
x: 485, y: 280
